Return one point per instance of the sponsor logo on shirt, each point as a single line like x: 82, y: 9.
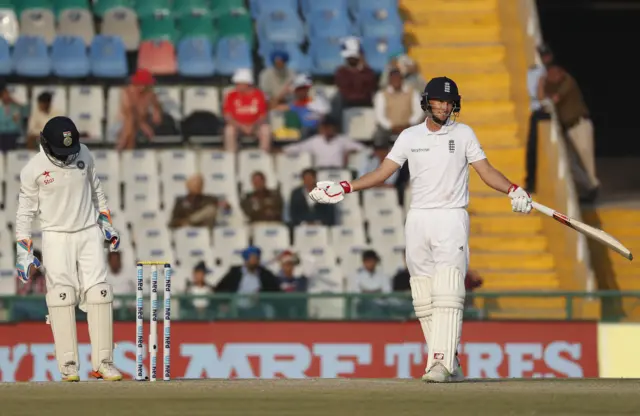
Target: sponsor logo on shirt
x: 47, y: 177
x: 419, y: 150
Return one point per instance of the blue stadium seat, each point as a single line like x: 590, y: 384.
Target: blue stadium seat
x: 377, y: 52
x: 108, y: 57
x: 370, y: 23
x: 31, y: 57
x: 195, y: 57
x: 233, y: 53
x: 325, y: 55
x: 327, y: 23
x: 69, y: 57
x: 298, y: 61
x: 258, y: 7
x: 6, y: 66
x: 309, y: 6
x: 355, y: 6
x: 281, y: 26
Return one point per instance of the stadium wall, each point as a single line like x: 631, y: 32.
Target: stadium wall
x: 527, y: 349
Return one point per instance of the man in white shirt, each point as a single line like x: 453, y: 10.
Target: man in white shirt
x: 328, y: 148
x: 439, y: 152
x: 60, y: 185
x: 39, y: 116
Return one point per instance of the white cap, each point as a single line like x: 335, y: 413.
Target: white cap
x: 350, y: 47
x: 242, y: 76
x: 302, y: 80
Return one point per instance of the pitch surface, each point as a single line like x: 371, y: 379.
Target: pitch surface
x: 333, y: 397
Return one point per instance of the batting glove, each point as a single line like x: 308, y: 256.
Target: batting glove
x: 25, y: 260
x: 327, y: 192
x: 110, y: 233
x: 520, y: 199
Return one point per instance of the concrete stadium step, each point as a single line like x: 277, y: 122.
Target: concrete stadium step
x: 498, y: 134
x: 425, y: 16
x: 512, y: 261
x: 477, y: 186
x: 498, y: 204
x: 517, y: 278
x: 505, y: 224
x: 443, y: 68
x: 613, y: 216
x: 620, y: 231
x: 506, y: 156
x: 487, y: 112
x: 439, y: 6
x: 508, y: 243
x: 629, y: 282
x: 438, y: 35
x: 625, y: 268
x: 469, y: 55
x: 479, y: 87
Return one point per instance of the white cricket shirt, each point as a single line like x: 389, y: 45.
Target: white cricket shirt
x: 66, y: 199
x: 438, y: 163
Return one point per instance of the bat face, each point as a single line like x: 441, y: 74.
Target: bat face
x: 601, y: 236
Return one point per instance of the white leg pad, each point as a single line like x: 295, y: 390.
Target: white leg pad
x: 61, y: 302
x: 421, y: 295
x: 100, y: 320
x: 447, y: 297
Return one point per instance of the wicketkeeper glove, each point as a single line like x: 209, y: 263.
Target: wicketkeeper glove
x: 110, y: 233
x: 520, y: 199
x: 25, y: 260
x: 327, y: 192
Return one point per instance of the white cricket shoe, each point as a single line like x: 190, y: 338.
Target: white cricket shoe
x: 437, y: 374
x: 107, y: 371
x: 70, y: 372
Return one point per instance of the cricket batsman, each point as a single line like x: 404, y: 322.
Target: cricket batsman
x: 439, y: 152
x: 60, y: 185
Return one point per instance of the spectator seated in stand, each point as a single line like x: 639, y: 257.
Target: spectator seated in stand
x: 275, y: 81
x: 10, y: 120
x: 199, y: 289
x: 245, y: 113
x: 196, y: 209
x: 262, y: 204
x: 303, y: 210
x: 409, y: 70
x: 370, y: 279
x: 292, y: 282
x: 39, y: 116
x: 304, y: 113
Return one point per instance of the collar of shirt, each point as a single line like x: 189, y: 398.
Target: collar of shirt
x: 443, y: 130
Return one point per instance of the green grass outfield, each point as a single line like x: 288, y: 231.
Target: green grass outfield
x: 331, y: 397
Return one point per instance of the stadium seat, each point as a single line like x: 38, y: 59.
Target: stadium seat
x: 187, y: 7
x: 192, y: 245
x: 281, y: 26
x: 6, y: 65
x: 201, y: 99
x: 159, y: 57
x: 230, y: 241
x: 254, y: 160
x: 122, y: 22
x: 24, y: 5
x: 329, y: 23
x: 373, y: 23
x: 151, y: 8
x: 325, y: 55
x: 298, y: 60
x: 69, y: 57
x: 309, y: 6
x: 2, y: 176
x: 103, y: 7
x: 351, y: 259
x: 141, y: 192
x: 315, y: 257
x: 77, y: 22
x: 31, y: 57
x: 9, y: 28
x: 86, y: 108
x: 7, y: 258
x: 356, y: 160
x: 272, y: 238
x: 157, y: 28
x: 204, y: 101
x: 176, y: 166
x: 232, y: 54
x: 359, y: 123
x: 107, y: 166
x: 342, y: 237
x: 64, y: 5
x: 59, y: 99
x: 377, y: 52
x: 170, y: 99
x: 153, y: 244
x: 108, y: 57
x: 219, y: 171
x: 350, y: 212
x: 113, y: 105
x: 289, y: 169
x: 19, y: 93
x: 195, y: 57
x: 259, y: 8
x: 357, y: 5
x: 15, y: 161
x: 236, y: 25
x: 226, y: 7
x: 386, y: 236
x: 197, y: 26
x: 307, y: 237
x: 326, y: 279
x: 384, y: 217
x: 147, y: 219
x: 334, y: 175
x: 380, y: 197
x: 38, y: 22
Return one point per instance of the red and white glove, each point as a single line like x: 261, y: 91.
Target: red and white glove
x: 327, y: 192
x: 520, y: 199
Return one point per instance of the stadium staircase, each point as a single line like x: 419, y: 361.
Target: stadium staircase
x: 480, y: 44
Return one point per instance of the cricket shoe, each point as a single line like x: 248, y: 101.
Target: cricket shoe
x: 107, y: 371
x: 457, y: 375
x: 438, y: 374
x: 70, y: 373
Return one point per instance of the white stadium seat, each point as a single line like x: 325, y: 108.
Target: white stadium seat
x: 359, y: 123
x: 176, y: 166
x: 219, y: 171
x: 384, y: 217
x: 317, y: 257
x: 289, y: 171
x: 58, y: 100
x: 19, y: 92
x: 326, y: 279
x: 38, y: 22
x: 2, y: 175
x: 141, y: 183
x: 307, y: 237
x: 170, y: 99
x: 334, y: 175
x: 271, y: 238
x: 201, y: 99
x: 356, y: 160
x: 113, y: 104
x: 7, y: 243
x: 86, y: 108
x: 228, y: 242
x: 122, y: 22
x: 192, y: 244
x: 77, y: 22
x: 380, y: 197
x: 350, y: 212
x: 15, y: 161
x: 386, y: 235
x: 153, y: 244
x: 343, y: 237
x: 253, y: 160
x: 9, y: 27
x: 107, y: 166
x: 351, y: 260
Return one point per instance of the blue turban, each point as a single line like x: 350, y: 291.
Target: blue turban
x: 279, y: 54
x: 246, y: 253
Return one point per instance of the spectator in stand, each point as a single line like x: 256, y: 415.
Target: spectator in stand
x: 120, y: 279
x: 245, y: 112
x: 370, y: 279
x: 10, y: 120
x: 303, y: 210
x: 538, y: 113
x: 39, y: 116
x: 196, y: 209
x: 328, y: 148
x: 139, y: 112
x: 262, y: 204
x: 409, y: 70
x: 199, y: 289
x: 289, y: 280
x: 275, y: 81
x: 355, y: 80
x: 371, y: 163
x: 397, y: 107
x: 304, y: 113
x: 564, y: 92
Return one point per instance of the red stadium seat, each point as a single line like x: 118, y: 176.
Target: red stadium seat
x: 159, y: 57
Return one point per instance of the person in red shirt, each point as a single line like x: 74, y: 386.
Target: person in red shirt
x: 245, y: 112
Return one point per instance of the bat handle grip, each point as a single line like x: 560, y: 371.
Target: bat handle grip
x: 543, y: 209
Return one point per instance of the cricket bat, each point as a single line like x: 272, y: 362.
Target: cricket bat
x: 585, y: 229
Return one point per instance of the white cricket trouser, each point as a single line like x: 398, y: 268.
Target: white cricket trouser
x: 74, y: 259
x: 436, y: 239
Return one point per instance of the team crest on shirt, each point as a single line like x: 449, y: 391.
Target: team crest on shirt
x: 67, y: 138
x: 452, y: 146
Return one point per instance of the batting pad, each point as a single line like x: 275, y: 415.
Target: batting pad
x: 100, y: 320
x: 421, y: 295
x: 447, y: 297
x: 61, y: 302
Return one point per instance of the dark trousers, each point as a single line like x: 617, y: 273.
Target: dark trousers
x: 532, y: 148
x: 8, y: 141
